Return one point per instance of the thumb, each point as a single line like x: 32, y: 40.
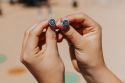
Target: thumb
x: 51, y: 40
x: 71, y: 34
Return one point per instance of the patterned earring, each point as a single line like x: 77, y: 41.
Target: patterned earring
x: 65, y: 24
x: 52, y: 24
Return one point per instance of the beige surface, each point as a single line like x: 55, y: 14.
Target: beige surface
x: 17, y: 18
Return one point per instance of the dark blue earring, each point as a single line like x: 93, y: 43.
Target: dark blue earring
x: 52, y: 24
x: 65, y: 24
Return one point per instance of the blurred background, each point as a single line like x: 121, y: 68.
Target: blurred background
x: 18, y: 15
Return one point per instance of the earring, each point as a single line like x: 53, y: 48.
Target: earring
x: 65, y: 24
x: 52, y: 24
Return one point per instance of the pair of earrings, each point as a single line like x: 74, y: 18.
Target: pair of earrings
x: 64, y: 28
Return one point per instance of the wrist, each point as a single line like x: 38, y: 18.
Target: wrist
x: 100, y: 75
x: 54, y: 76
x: 90, y: 73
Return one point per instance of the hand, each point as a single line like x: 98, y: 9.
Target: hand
x: 43, y: 62
x: 84, y: 36
x: 86, y: 41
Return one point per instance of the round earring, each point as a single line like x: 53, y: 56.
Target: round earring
x: 65, y: 24
x: 52, y: 24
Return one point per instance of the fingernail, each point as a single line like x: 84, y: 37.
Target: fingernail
x: 52, y: 24
x: 65, y: 24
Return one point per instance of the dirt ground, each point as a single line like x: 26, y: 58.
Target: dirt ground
x: 110, y: 14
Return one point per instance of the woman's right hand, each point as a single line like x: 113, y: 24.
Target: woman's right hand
x: 85, y: 42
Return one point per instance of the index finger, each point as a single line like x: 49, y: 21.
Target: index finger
x: 39, y: 28
x: 82, y: 19
x: 35, y: 34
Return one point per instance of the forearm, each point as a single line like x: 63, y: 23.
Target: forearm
x: 52, y: 79
x: 103, y: 75
x: 54, y: 75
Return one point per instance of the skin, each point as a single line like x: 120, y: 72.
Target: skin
x: 85, y: 45
x: 44, y: 63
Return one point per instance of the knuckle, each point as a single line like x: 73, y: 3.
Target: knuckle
x: 70, y: 35
x: 32, y: 32
x: 98, y: 27
x: 53, y: 36
x: 25, y: 59
x: 27, y: 32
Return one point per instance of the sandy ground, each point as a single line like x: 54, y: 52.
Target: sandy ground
x: 16, y: 19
